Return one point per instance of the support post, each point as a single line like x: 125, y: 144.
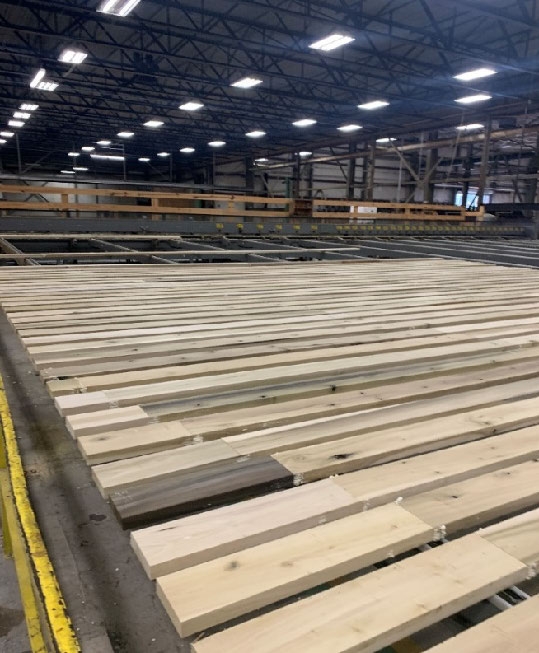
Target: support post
x: 484, y: 163
x: 431, y: 163
x: 351, y: 177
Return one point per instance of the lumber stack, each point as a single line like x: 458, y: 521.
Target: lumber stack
x: 294, y: 437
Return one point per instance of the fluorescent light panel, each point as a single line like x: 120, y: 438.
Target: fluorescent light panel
x: 261, y: 160
x: 118, y: 7
x: 247, y: 82
x: 108, y: 157
x: 103, y: 143
x: 38, y: 77
x: 163, y: 154
x: 73, y: 154
x: 67, y: 172
x: 372, y: 106
x: 88, y: 148
x: 154, y: 124
x: 22, y: 115
x: 349, y: 128
x: 470, y: 127
x: 475, y: 74
x: 7, y: 134
x: 217, y: 143
x: 471, y: 99
x: 125, y: 134
x: 257, y: 133
x: 304, y: 122
x: 187, y: 150
x: 72, y: 56
x: 15, y: 123
x: 191, y: 106
x: 305, y: 153
x: 331, y: 42
x: 80, y: 169
x: 144, y: 159
x: 3, y: 141
x: 28, y: 107
x: 47, y: 86
x: 386, y: 140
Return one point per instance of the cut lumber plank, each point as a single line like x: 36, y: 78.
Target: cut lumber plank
x: 519, y: 537
x: 200, y: 489
x: 513, y: 631
x: 356, y: 452
x: 110, y: 420
x: 164, y: 464
x: 375, y: 610
x: 245, y: 581
x: 192, y: 540
x: 472, y: 502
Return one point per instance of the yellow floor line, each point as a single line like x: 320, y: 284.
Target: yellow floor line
x: 60, y: 626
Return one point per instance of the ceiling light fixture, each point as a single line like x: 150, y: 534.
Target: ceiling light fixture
x: 108, y: 157
x: 38, y: 77
x: 22, y: 115
x: 80, y: 169
x: 72, y: 56
x: 247, y: 82
x: 154, y: 124
x: 372, y: 106
x: 28, y: 107
x: 3, y: 141
x: 257, y: 133
x: 7, y: 134
x: 163, y: 154
x: 261, y: 160
x: 103, y: 143
x: 88, y: 148
x: 217, y: 143
x: 144, y: 159
x: 331, y: 42
x: 117, y: 7
x: 47, y: 86
x: 15, y: 123
x: 304, y: 122
x: 187, y: 150
x: 125, y: 134
x: 471, y: 99
x: 475, y: 74
x: 349, y: 128
x: 191, y: 106
x: 73, y: 154
x: 470, y: 127
x: 386, y: 140
x: 305, y: 153
x: 67, y: 172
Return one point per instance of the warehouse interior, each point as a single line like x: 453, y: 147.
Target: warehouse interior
x: 269, y: 342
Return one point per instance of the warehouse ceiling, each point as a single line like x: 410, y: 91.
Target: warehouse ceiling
x: 165, y: 53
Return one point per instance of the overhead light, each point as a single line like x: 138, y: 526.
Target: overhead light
x: 154, y: 123
x: 331, y: 42
x: 73, y: 154
x: 117, y: 7
x: 305, y: 153
x: 471, y: 99
x: 386, y: 140
x: 217, y: 143
x: 255, y: 134
x: 261, y: 160
x: 108, y: 157
x: 88, y: 148
x: 22, y: 115
x: 72, y: 56
x: 15, y: 123
x: 247, y: 82
x: 191, y: 106
x: 38, y: 77
x: 304, y: 122
x: 372, y: 106
x: 125, y: 134
x: 103, y: 143
x: 187, y: 150
x: 47, y: 86
x: 67, y: 172
x: 144, y: 159
x: 80, y: 169
x: 475, y: 74
x: 3, y: 141
x: 349, y: 128
x: 28, y: 107
x: 163, y: 154
x: 470, y: 127
x: 7, y: 134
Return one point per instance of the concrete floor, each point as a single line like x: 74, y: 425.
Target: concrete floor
x: 13, y: 636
